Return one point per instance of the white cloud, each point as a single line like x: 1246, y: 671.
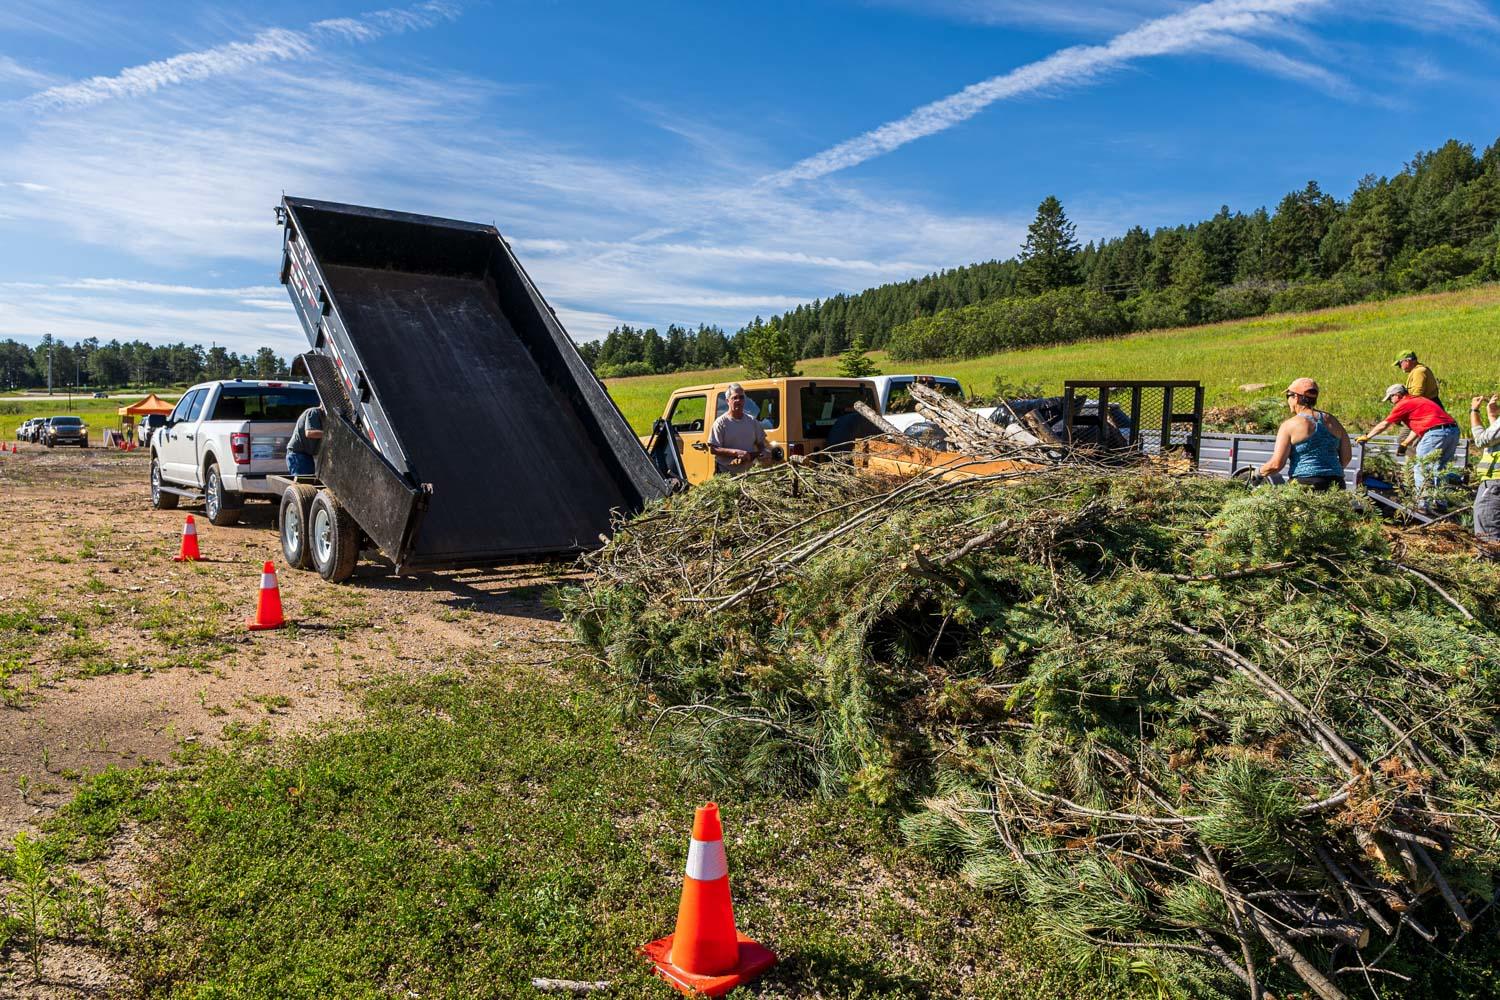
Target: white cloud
x: 1204, y: 25
x: 271, y: 45
x: 31, y: 309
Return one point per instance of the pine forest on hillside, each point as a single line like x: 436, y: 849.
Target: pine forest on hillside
x: 1435, y: 224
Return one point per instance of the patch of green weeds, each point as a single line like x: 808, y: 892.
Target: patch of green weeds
x: 471, y: 834
x: 274, y: 703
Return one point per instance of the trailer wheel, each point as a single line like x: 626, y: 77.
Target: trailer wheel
x: 292, y: 519
x: 334, y: 538
x: 160, y: 498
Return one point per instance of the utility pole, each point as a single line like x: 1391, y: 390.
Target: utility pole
x: 49, y: 366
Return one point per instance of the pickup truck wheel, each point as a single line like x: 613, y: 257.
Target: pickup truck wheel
x: 334, y: 538
x: 221, y: 506
x: 293, y: 518
x: 160, y: 498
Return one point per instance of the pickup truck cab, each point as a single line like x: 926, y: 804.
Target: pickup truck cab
x: 894, y: 392
x: 797, y: 414
x: 221, y: 442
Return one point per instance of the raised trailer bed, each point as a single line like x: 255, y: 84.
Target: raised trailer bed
x: 461, y: 426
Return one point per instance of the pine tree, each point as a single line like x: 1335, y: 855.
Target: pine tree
x: 1049, y: 259
x: 766, y: 350
x: 855, y: 363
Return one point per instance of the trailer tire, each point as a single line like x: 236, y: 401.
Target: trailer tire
x: 221, y: 506
x: 292, y: 521
x: 334, y: 538
x: 160, y: 498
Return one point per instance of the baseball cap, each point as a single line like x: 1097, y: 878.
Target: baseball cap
x: 1303, y: 387
x: 1408, y: 356
x: 1393, y: 391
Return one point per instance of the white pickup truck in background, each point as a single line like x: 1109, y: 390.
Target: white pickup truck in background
x: 895, y: 395
x: 222, y: 441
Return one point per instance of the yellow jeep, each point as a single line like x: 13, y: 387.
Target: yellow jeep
x: 797, y: 414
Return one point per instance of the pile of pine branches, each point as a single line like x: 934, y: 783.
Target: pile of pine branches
x: 1222, y: 737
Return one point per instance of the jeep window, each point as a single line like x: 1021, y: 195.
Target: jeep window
x: 823, y: 404
x: 761, y: 404
x: 686, y: 416
x: 264, y: 402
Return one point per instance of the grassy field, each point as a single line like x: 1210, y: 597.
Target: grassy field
x: 1349, y: 351
x: 97, y: 413
x: 476, y: 832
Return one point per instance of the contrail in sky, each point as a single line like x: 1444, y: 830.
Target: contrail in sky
x: 1202, y: 27
x: 271, y: 45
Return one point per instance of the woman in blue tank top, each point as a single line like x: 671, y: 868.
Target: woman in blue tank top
x: 1314, y: 442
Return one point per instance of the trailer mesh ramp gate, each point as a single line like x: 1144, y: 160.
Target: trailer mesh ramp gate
x: 1150, y: 417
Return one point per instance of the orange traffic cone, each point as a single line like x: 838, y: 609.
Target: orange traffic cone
x: 707, y: 956
x: 189, y: 550
x: 268, y: 606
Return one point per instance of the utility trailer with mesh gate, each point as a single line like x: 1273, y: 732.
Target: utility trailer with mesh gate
x: 461, y: 428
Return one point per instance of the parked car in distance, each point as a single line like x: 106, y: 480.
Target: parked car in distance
x: 222, y: 441
x: 27, y: 428
x: 65, y: 430
x: 150, y: 424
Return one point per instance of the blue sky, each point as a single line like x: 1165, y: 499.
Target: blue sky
x: 676, y: 161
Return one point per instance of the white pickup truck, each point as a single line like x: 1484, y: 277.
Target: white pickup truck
x: 894, y: 394
x: 222, y: 441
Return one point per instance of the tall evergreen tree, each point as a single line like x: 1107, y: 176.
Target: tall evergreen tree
x: 855, y: 362
x: 1049, y: 256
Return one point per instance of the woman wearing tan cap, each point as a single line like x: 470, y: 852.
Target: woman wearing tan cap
x: 1314, y: 441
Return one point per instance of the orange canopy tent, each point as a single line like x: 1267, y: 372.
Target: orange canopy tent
x: 151, y: 404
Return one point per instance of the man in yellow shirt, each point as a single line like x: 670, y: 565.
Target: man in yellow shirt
x: 1419, y: 378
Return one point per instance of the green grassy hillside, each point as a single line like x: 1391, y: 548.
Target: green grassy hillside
x: 1349, y: 351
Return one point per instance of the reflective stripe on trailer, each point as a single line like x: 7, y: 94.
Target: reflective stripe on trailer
x: 705, y: 861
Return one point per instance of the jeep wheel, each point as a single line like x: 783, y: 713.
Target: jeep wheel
x: 221, y: 506
x: 160, y: 498
x: 334, y: 538
x: 293, y: 519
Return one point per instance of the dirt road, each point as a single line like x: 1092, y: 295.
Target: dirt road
x: 112, y: 654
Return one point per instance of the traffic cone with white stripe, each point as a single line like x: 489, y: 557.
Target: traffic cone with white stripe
x: 268, y: 605
x: 189, y: 550
x: 707, y: 956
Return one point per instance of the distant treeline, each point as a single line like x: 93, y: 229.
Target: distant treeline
x: 1435, y: 224
x: 90, y: 364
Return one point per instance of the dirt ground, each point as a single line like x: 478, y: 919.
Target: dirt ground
x: 113, y: 654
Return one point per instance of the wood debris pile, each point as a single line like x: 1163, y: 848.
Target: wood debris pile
x: 1223, y: 738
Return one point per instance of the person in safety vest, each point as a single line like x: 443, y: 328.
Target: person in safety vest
x: 1486, y: 441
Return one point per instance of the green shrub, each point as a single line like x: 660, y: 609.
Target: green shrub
x: 1056, y: 317
x: 1436, y: 266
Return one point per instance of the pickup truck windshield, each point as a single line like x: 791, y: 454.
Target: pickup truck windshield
x: 66, y: 421
x: 822, y: 405
x: 262, y: 402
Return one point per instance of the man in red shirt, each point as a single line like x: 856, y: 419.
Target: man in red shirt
x: 1436, y: 434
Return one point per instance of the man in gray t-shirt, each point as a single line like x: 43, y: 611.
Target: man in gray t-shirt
x: 736, y: 440
x: 302, y: 446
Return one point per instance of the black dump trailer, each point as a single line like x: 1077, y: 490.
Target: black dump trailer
x: 461, y: 428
